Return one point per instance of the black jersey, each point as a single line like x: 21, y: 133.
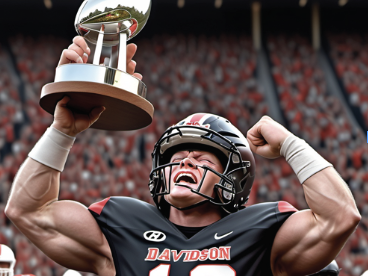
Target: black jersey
x: 145, y: 243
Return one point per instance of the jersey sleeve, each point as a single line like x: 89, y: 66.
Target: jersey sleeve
x: 96, y: 209
x: 98, y: 206
x: 284, y: 210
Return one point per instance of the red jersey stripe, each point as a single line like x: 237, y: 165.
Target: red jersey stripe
x: 285, y: 207
x: 98, y: 206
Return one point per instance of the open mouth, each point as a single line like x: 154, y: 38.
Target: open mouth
x: 185, y: 177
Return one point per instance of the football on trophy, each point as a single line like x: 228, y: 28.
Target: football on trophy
x: 114, y: 16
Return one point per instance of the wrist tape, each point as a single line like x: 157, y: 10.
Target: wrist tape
x: 52, y: 149
x: 304, y: 160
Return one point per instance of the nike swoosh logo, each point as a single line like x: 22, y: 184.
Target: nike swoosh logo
x: 223, y: 236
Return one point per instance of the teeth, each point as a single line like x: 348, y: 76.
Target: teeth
x: 185, y: 174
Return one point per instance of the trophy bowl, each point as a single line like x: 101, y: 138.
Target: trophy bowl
x: 109, y: 23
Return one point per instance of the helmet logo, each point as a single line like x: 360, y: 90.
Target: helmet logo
x: 155, y: 236
x: 197, y: 124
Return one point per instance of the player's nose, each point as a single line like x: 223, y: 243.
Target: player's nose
x: 187, y: 163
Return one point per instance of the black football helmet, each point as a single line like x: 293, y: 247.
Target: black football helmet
x: 331, y: 270
x: 210, y: 133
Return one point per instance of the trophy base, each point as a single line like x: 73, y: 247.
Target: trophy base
x: 124, y: 110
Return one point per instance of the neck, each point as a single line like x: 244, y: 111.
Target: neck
x: 202, y: 215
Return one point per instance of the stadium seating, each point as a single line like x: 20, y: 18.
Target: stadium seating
x: 350, y: 55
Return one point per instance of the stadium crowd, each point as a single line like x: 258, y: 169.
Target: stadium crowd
x: 350, y: 55
x: 184, y: 74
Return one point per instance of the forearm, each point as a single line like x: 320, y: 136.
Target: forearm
x: 330, y: 199
x: 37, y: 182
x: 321, y: 232
x: 326, y: 193
x: 34, y: 186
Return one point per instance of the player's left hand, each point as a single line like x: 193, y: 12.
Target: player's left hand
x: 131, y: 64
x: 265, y: 138
x: 78, y: 52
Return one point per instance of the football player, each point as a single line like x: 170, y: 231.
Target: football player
x: 7, y: 261
x: 202, y: 173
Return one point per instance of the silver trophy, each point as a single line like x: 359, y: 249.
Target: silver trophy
x: 109, y: 23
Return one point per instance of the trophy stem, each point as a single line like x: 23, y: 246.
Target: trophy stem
x: 98, y: 50
x: 114, y: 56
x: 122, y: 52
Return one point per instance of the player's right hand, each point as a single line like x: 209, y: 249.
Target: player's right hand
x: 72, y: 123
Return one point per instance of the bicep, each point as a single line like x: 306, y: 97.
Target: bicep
x: 67, y: 233
x: 302, y: 246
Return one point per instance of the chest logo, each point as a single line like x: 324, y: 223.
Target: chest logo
x: 154, y: 236
x: 223, y: 236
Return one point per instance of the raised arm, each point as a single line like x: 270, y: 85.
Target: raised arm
x: 63, y: 230
x: 309, y: 239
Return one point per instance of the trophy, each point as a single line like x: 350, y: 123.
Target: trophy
x: 109, y: 23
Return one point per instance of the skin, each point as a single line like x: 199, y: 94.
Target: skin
x: 317, y: 234
x: 66, y: 232
x: 182, y: 197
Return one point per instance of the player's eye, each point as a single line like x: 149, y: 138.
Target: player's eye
x: 206, y: 160
x: 177, y: 159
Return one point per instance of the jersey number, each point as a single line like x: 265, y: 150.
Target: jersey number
x: 199, y: 270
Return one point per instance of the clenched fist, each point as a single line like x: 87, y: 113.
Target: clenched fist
x: 265, y: 138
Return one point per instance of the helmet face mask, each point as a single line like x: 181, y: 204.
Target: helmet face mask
x: 224, y: 189
x: 213, y: 134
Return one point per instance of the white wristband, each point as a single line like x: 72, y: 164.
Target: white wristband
x: 52, y: 149
x: 304, y: 160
